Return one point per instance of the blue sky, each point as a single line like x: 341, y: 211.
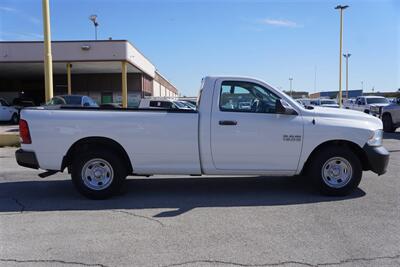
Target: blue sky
x: 271, y: 40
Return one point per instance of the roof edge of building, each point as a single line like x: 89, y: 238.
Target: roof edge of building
x: 162, y: 76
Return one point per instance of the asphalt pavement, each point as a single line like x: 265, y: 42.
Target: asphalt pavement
x: 199, y: 221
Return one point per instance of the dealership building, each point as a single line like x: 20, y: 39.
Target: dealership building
x: 334, y: 94
x: 93, y: 68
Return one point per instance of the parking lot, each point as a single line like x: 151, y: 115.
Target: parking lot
x: 199, y: 221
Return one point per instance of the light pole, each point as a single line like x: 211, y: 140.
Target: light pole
x: 346, y: 56
x: 291, y: 80
x: 93, y: 18
x: 48, y: 61
x: 340, y: 8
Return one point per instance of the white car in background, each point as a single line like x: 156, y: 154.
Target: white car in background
x: 7, y: 112
x: 369, y: 104
x: 348, y: 103
x: 165, y: 103
x: 391, y: 116
x: 304, y: 101
x: 73, y: 101
x: 322, y: 102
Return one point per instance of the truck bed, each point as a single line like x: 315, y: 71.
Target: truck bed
x: 148, y: 136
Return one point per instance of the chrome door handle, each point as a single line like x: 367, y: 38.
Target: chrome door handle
x: 227, y: 123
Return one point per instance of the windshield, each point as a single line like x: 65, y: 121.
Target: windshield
x: 328, y: 102
x: 188, y: 104
x: 179, y: 104
x: 65, y: 100
x: 377, y: 100
x: 4, y: 103
x: 72, y: 99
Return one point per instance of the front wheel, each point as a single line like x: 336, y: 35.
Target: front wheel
x: 98, y: 174
x: 387, y: 123
x: 336, y: 171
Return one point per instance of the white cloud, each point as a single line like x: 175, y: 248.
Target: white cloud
x: 34, y: 20
x: 280, y: 23
x: 24, y: 36
x: 20, y: 13
x: 7, y: 9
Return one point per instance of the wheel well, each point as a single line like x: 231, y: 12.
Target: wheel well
x: 88, y: 143
x: 357, y: 150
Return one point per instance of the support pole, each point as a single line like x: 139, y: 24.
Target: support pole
x: 347, y: 77
x: 69, y: 78
x: 340, y: 58
x: 48, y: 64
x: 124, y: 85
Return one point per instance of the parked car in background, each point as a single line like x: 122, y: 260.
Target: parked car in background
x: 348, y: 103
x: 7, y: 112
x: 188, y: 104
x: 162, y: 103
x: 192, y: 100
x: 23, y: 102
x: 390, y: 116
x: 304, y: 101
x: 111, y: 105
x: 369, y: 104
x: 72, y: 100
x: 322, y: 102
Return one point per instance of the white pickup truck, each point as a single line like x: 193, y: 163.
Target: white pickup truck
x: 368, y: 104
x: 390, y: 116
x: 269, y: 135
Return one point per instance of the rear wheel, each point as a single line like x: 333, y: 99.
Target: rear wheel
x: 98, y: 174
x: 336, y: 171
x: 387, y: 123
x: 15, y: 118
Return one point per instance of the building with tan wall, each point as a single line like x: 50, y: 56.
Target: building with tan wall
x: 95, y: 70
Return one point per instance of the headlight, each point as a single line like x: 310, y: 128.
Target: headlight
x: 376, y: 138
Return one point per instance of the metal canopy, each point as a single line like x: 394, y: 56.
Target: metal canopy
x: 10, y: 70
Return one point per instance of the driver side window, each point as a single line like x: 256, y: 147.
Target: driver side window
x: 237, y: 96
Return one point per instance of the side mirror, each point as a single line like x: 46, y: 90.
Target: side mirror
x: 283, y: 108
x: 398, y: 101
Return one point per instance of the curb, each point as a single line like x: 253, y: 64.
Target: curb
x: 9, y: 140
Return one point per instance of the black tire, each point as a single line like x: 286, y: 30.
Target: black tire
x: 114, y: 163
x: 388, y: 123
x: 318, y: 162
x: 14, y: 118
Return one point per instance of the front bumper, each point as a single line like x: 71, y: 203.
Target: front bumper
x: 26, y: 159
x: 378, y: 158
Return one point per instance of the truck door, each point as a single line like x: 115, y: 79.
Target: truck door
x: 246, y: 132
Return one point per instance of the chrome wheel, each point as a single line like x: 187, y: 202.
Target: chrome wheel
x: 337, y: 172
x: 97, y: 174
